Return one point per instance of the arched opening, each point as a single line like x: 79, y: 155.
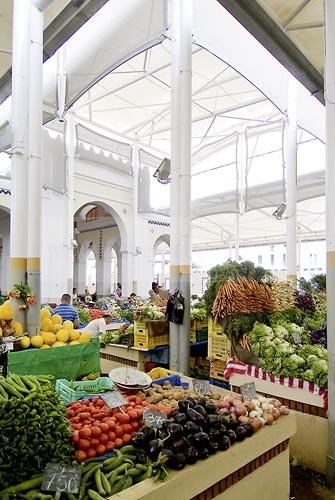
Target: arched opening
x: 162, y: 261
x: 91, y: 272
x: 97, y: 256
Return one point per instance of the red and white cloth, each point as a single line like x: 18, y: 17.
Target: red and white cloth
x: 241, y: 368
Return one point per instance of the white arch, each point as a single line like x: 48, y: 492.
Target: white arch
x: 163, y: 238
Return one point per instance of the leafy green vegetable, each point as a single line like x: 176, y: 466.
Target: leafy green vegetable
x: 198, y: 314
x: 84, y: 315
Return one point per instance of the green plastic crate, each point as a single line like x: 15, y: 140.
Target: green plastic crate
x: 67, y: 394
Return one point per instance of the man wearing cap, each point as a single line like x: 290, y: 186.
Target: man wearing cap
x: 98, y: 326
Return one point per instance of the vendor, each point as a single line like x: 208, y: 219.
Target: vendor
x: 98, y: 326
x: 66, y: 311
x: 153, y: 293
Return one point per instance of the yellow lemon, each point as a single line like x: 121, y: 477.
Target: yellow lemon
x: 46, y: 325
x: 45, y: 346
x: 18, y: 328
x: 25, y: 342
x: 63, y: 335
x: 48, y: 337
x: 45, y: 314
x: 85, y: 337
x: 59, y: 344
x: 36, y: 341
x: 68, y: 325
x: 56, y: 328
x: 74, y: 335
x: 6, y: 311
x: 56, y: 319
x: 74, y: 342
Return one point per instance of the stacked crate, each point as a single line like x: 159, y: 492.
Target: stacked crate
x: 198, y: 331
x: 144, y: 339
x: 218, y: 352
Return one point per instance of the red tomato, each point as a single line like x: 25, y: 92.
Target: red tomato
x: 94, y: 442
x: 131, y: 405
x: 85, y: 433
x: 70, y: 413
x: 118, y: 442
x: 139, y: 401
x: 111, y: 435
x: 96, y: 431
x: 135, y: 426
x: 110, y: 445
x: 91, y: 453
x: 104, y: 427
x: 103, y: 438
x: 132, y: 398
x: 139, y: 412
x: 132, y: 415
x: 75, y: 437
x: 126, y: 438
x: 99, y: 416
x: 127, y: 428
x: 111, y: 425
x: 100, y: 403
x: 81, y: 455
x: 84, y: 444
x: 95, y: 399
x: 84, y: 416
x: 122, y: 418
x: 105, y: 419
x: 74, y: 406
x: 75, y: 420
x: 118, y: 431
x: 101, y: 449
x: 76, y: 426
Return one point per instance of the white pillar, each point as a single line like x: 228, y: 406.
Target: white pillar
x: 34, y: 216
x: 135, y: 157
x: 99, y: 277
x: 107, y: 285
x: 290, y: 155
x: 70, y: 158
x: 81, y: 276
x: 20, y: 152
x: 127, y: 274
x: 163, y: 267
x: 330, y: 226
x: 181, y: 129
x: 237, y: 237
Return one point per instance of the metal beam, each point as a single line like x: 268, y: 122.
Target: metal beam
x: 68, y: 21
x: 261, y: 25
x: 305, y: 26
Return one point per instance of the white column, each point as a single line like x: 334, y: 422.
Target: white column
x: 237, y: 237
x: 99, y: 277
x: 181, y: 129
x: 137, y: 258
x: 70, y: 159
x: 81, y: 276
x: 330, y: 226
x: 20, y: 152
x: 34, y: 215
x: 163, y: 266
x: 107, y: 285
x: 127, y: 274
x: 290, y: 155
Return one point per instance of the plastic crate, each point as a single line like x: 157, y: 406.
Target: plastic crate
x: 199, y: 331
x: 174, y: 379
x: 67, y: 394
x: 219, y: 347
x: 214, y: 328
x: 146, y: 341
x: 224, y: 384
x: 216, y: 369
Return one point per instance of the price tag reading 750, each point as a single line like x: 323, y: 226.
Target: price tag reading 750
x: 154, y: 418
x: 61, y: 478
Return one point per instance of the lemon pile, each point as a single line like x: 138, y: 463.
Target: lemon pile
x: 54, y: 333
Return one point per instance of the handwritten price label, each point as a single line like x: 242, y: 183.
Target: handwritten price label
x: 61, y: 478
x: 154, y: 418
x: 201, y: 387
x: 113, y: 399
x: 248, y: 391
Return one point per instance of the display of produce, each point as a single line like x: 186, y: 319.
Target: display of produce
x: 231, y: 270
x: 33, y: 428
x: 198, y: 313
x: 284, y: 293
x: 242, y: 296
x: 285, y: 351
x: 149, y: 312
x: 95, y: 313
x: 124, y: 336
x: 84, y: 315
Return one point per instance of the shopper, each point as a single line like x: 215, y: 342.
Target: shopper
x: 66, y: 311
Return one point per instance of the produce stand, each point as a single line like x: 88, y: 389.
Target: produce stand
x: 62, y: 362
x: 115, y: 355
x: 251, y: 469
x: 311, y: 419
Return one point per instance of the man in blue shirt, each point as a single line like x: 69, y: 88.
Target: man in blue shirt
x: 66, y: 311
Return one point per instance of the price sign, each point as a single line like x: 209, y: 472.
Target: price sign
x: 113, y: 399
x: 154, y: 418
x: 201, y: 387
x: 248, y: 391
x: 296, y: 338
x: 61, y: 478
